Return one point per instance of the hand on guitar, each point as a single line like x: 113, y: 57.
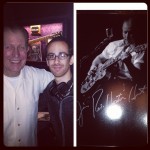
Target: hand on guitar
x: 126, y: 52
x: 92, y: 70
x: 124, y: 55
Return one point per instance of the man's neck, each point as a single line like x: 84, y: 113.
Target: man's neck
x: 8, y: 74
x: 63, y: 79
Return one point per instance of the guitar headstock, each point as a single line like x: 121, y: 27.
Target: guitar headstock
x: 56, y: 34
x: 51, y: 36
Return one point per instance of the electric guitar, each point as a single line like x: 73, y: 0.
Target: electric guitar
x: 100, y: 71
x: 53, y: 35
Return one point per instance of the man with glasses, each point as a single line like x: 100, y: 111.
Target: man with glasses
x: 59, y: 92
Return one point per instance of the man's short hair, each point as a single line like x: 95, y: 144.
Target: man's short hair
x: 16, y: 27
x: 62, y: 39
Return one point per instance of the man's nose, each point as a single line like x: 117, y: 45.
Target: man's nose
x: 56, y: 60
x: 127, y: 35
x: 16, y: 52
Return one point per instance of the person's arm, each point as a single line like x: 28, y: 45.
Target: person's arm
x: 101, y: 58
x: 138, y: 60
x: 42, y: 77
x: 136, y: 66
x: 98, y: 60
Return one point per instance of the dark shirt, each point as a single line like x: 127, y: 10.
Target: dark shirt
x: 60, y: 107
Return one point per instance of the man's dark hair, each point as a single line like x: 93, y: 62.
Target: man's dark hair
x: 61, y: 38
x: 14, y: 27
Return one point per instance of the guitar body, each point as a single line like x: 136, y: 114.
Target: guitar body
x: 91, y: 79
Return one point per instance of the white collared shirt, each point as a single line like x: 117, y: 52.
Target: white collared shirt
x: 113, y: 49
x: 21, y: 106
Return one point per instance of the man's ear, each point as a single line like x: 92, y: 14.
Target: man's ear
x: 71, y: 60
x: 47, y: 62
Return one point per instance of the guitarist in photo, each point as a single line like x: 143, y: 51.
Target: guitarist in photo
x: 120, y: 60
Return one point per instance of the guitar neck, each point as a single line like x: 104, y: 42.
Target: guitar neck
x: 45, y: 37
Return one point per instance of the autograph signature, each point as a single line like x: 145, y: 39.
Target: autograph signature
x: 96, y: 106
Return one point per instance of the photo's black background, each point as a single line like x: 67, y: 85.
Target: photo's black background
x: 97, y: 130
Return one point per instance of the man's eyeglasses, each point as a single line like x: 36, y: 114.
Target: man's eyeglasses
x: 61, y: 56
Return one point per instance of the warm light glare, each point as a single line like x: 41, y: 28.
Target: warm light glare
x: 114, y: 111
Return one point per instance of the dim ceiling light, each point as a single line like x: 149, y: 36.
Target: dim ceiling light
x: 114, y: 112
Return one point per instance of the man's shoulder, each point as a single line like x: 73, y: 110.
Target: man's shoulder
x: 50, y: 85
x: 33, y: 69
x: 29, y: 70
